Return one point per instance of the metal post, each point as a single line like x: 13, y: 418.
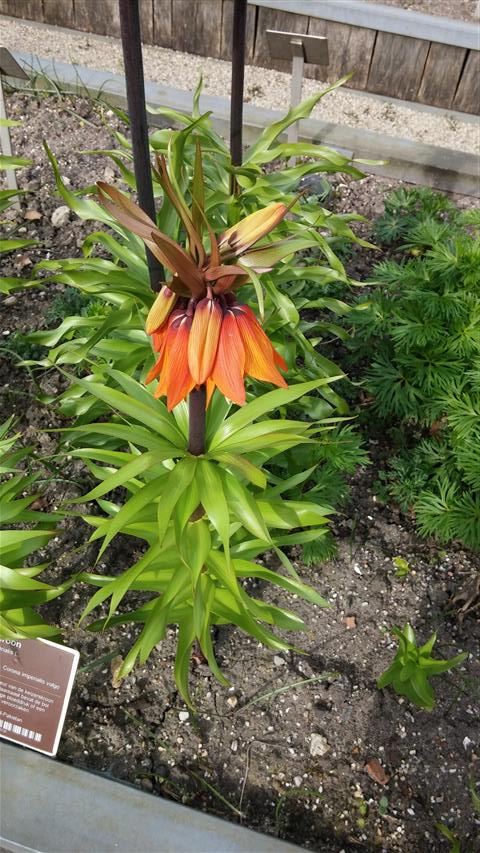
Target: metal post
x: 238, y: 74
x: 295, y: 88
x: 132, y: 58
x: 6, y: 148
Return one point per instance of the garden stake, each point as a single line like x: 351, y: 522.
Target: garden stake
x: 238, y: 74
x: 132, y: 58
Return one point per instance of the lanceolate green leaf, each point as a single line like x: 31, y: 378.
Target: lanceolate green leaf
x: 271, y: 133
x: 244, y: 506
x: 266, y: 403
x: 137, y: 466
x: 145, y: 413
x: 214, y: 501
x: 186, y: 637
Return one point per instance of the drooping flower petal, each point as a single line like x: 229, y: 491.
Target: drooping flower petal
x: 259, y: 353
x: 203, y: 340
x: 210, y: 386
x: 176, y: 380
x: 246, y: 232
x: 160, y: 309
x: 228, y: 369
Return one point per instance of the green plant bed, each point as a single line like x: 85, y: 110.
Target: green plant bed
x: 417, y: 337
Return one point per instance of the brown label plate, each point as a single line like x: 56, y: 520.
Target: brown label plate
x: 36, y: 680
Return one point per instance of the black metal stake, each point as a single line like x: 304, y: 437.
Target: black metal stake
x: 238, y: 75
x: 132, y: 58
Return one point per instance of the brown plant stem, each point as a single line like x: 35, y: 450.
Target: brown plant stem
x: 196, y: 421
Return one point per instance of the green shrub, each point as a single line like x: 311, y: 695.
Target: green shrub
x: 423, y: 325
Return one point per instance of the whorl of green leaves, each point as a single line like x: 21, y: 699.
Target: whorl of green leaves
x: 413, y: 667
x: 203, y: 520
x: 23, y: 532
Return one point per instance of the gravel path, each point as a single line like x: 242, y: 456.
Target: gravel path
x: 461, y: 10
x: 265, y: 88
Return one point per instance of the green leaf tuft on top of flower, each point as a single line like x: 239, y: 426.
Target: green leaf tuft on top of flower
x: 200, y: 331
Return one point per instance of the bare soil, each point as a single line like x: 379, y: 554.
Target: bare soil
x: 389, y: 771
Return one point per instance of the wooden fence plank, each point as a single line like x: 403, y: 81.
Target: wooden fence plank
x: 145, y: 9
x: 197, y: 27
x: 467, y: 98
x: 31, y: 10
x: 59, y: 12
x: 397, y: 66
x: 441, y: 75
x: 388, y: 19
x: 101, y: 17
x: 270, y: 19
x: 349, y: 49
x: 227, y: 25
x: 162, y: 23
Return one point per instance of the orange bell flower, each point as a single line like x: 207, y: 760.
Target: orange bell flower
x: 202, y: 335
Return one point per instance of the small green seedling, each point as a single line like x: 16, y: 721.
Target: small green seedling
x: 455, y: 842
x: 402, y: 566
x: 475, y: 798
x: 383, y: 806
x: 413, y: 666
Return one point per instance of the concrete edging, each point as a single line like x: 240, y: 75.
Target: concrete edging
x: 50, y: 807
x: 442, y: 168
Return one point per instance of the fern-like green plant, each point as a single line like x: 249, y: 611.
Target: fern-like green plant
x: 423, y: 325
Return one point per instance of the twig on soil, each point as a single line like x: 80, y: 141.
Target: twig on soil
x: 99, y: 662
x: 326, y: 676
x: 247, y: 766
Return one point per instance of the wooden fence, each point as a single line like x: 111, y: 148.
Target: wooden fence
x: 397, y: 53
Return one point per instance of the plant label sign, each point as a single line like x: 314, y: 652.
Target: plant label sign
x: 36, y: 680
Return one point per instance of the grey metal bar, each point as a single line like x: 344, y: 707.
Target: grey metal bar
x: 387, y: 19
x: 52, y: 807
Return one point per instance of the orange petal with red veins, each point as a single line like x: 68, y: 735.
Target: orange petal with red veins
x: 259, y: 353
x: 230, y: 361
x: 176, y: 380
x: 155, y: 370
x: 160, y: 310
x: 203, y: 340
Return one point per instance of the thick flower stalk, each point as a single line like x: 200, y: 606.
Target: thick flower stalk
x: 202, y: 334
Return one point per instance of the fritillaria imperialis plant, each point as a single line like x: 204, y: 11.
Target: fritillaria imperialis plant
x: 197, y: 492
x: 203, y: 335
